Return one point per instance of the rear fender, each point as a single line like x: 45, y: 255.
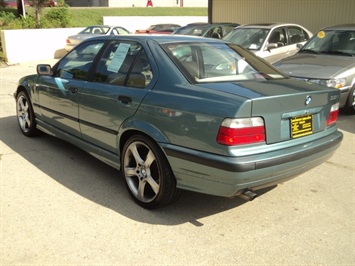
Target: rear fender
x: 132, y: 126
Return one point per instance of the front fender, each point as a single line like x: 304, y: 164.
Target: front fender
x: 28, y: 84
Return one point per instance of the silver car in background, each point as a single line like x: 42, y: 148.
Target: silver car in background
x: 327, y: 59
x: 271, y: 41
x: 92, y: 31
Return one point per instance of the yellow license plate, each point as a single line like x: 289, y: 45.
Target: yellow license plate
x: 301, y: 126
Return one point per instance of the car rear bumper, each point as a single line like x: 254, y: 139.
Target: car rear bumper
x: 229, y: 176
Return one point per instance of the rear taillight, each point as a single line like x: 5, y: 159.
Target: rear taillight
x: 68, y: 41
x: 333, y: 115
x: 241, y: 131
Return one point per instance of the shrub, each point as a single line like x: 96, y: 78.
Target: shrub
x: 6, y: 18
x: 58, y: 17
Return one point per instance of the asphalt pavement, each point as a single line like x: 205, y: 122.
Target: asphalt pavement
x: 61, y: 206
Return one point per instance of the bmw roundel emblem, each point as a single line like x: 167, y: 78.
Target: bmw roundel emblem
x: 308, y: 100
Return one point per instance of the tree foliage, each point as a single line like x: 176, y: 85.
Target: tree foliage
x: 38, y: 5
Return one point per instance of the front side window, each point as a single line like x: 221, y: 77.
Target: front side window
x: 278, y: 36
x: 77, y: 63
x: 124, y: 64
x: 217, y: 62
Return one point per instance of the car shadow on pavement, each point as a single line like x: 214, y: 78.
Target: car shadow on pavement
x: 87, y: 176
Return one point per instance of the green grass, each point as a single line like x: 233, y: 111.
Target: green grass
x: 82, y: 17
x: 88, y: 16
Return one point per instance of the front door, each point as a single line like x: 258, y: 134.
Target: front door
x: 59, y: 95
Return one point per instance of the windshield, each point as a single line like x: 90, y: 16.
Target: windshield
x: 217, y: 62
x: 249, y: 38
x: 332, y: 42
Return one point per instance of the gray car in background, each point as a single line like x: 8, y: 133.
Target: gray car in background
x: 271, y: 41
x: 327, y: 59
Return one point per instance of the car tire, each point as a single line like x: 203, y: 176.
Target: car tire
x: 25, y: 115
x: 350, y: 102
x: 148, y: 175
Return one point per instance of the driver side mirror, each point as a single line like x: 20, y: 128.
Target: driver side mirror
x: 299, y: 46
x: 271, y: 46
x: 44, y: 69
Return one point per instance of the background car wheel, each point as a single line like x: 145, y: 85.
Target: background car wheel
x: 25, y: 115
x: 350, y: 103
x: 149, y: 178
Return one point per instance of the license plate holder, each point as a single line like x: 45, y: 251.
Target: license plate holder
x: 301, y: 126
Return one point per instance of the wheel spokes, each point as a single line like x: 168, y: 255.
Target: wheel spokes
x: 23, y: 114
x: 138, y: 162
x: 154, y: 185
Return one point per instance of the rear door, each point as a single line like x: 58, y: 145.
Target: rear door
x: 121, y: 80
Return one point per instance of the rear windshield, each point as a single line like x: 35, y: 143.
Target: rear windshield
x: 218, y: 62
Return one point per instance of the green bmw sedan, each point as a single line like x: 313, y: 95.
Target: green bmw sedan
x: 176, y: 113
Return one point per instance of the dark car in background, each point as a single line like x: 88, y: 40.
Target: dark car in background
x: 270, y: 41
x: 182, y: 30
x: 327, y: 59
x: 159, y: 29
x: 12, y: 3
x: 178, y: 112
x: 51, y: 3
x: 48, y: 3
x: 208, y: 30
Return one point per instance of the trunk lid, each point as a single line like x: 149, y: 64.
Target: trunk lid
x: 285, y: 105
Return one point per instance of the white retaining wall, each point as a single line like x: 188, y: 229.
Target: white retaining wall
x: 41, y: 44
x: 35, y: 44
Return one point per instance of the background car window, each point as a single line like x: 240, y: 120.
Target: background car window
x: 118, y: 31
x: 343, y: 41
x: 297, y: 35
x: 251, y: 39
x: 95, y: 30
x: 278, y: 36
x: 77, y: 63
x: 124, y: 64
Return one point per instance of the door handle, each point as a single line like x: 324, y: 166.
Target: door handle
x: 124, y: 99
x: 73, y: 90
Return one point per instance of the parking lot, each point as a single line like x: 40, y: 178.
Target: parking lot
x: 59, y: 205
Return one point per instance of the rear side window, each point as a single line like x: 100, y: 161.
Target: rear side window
x: 118, y: 31
x: 124, y: 64
x: 297, y: 35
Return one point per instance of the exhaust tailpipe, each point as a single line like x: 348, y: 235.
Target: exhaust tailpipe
x: 248, y: 195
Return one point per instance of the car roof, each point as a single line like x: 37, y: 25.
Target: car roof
x: 159, y: 38
x: 110, y: 26
x: 350, y: 26
x: 269, y: 25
